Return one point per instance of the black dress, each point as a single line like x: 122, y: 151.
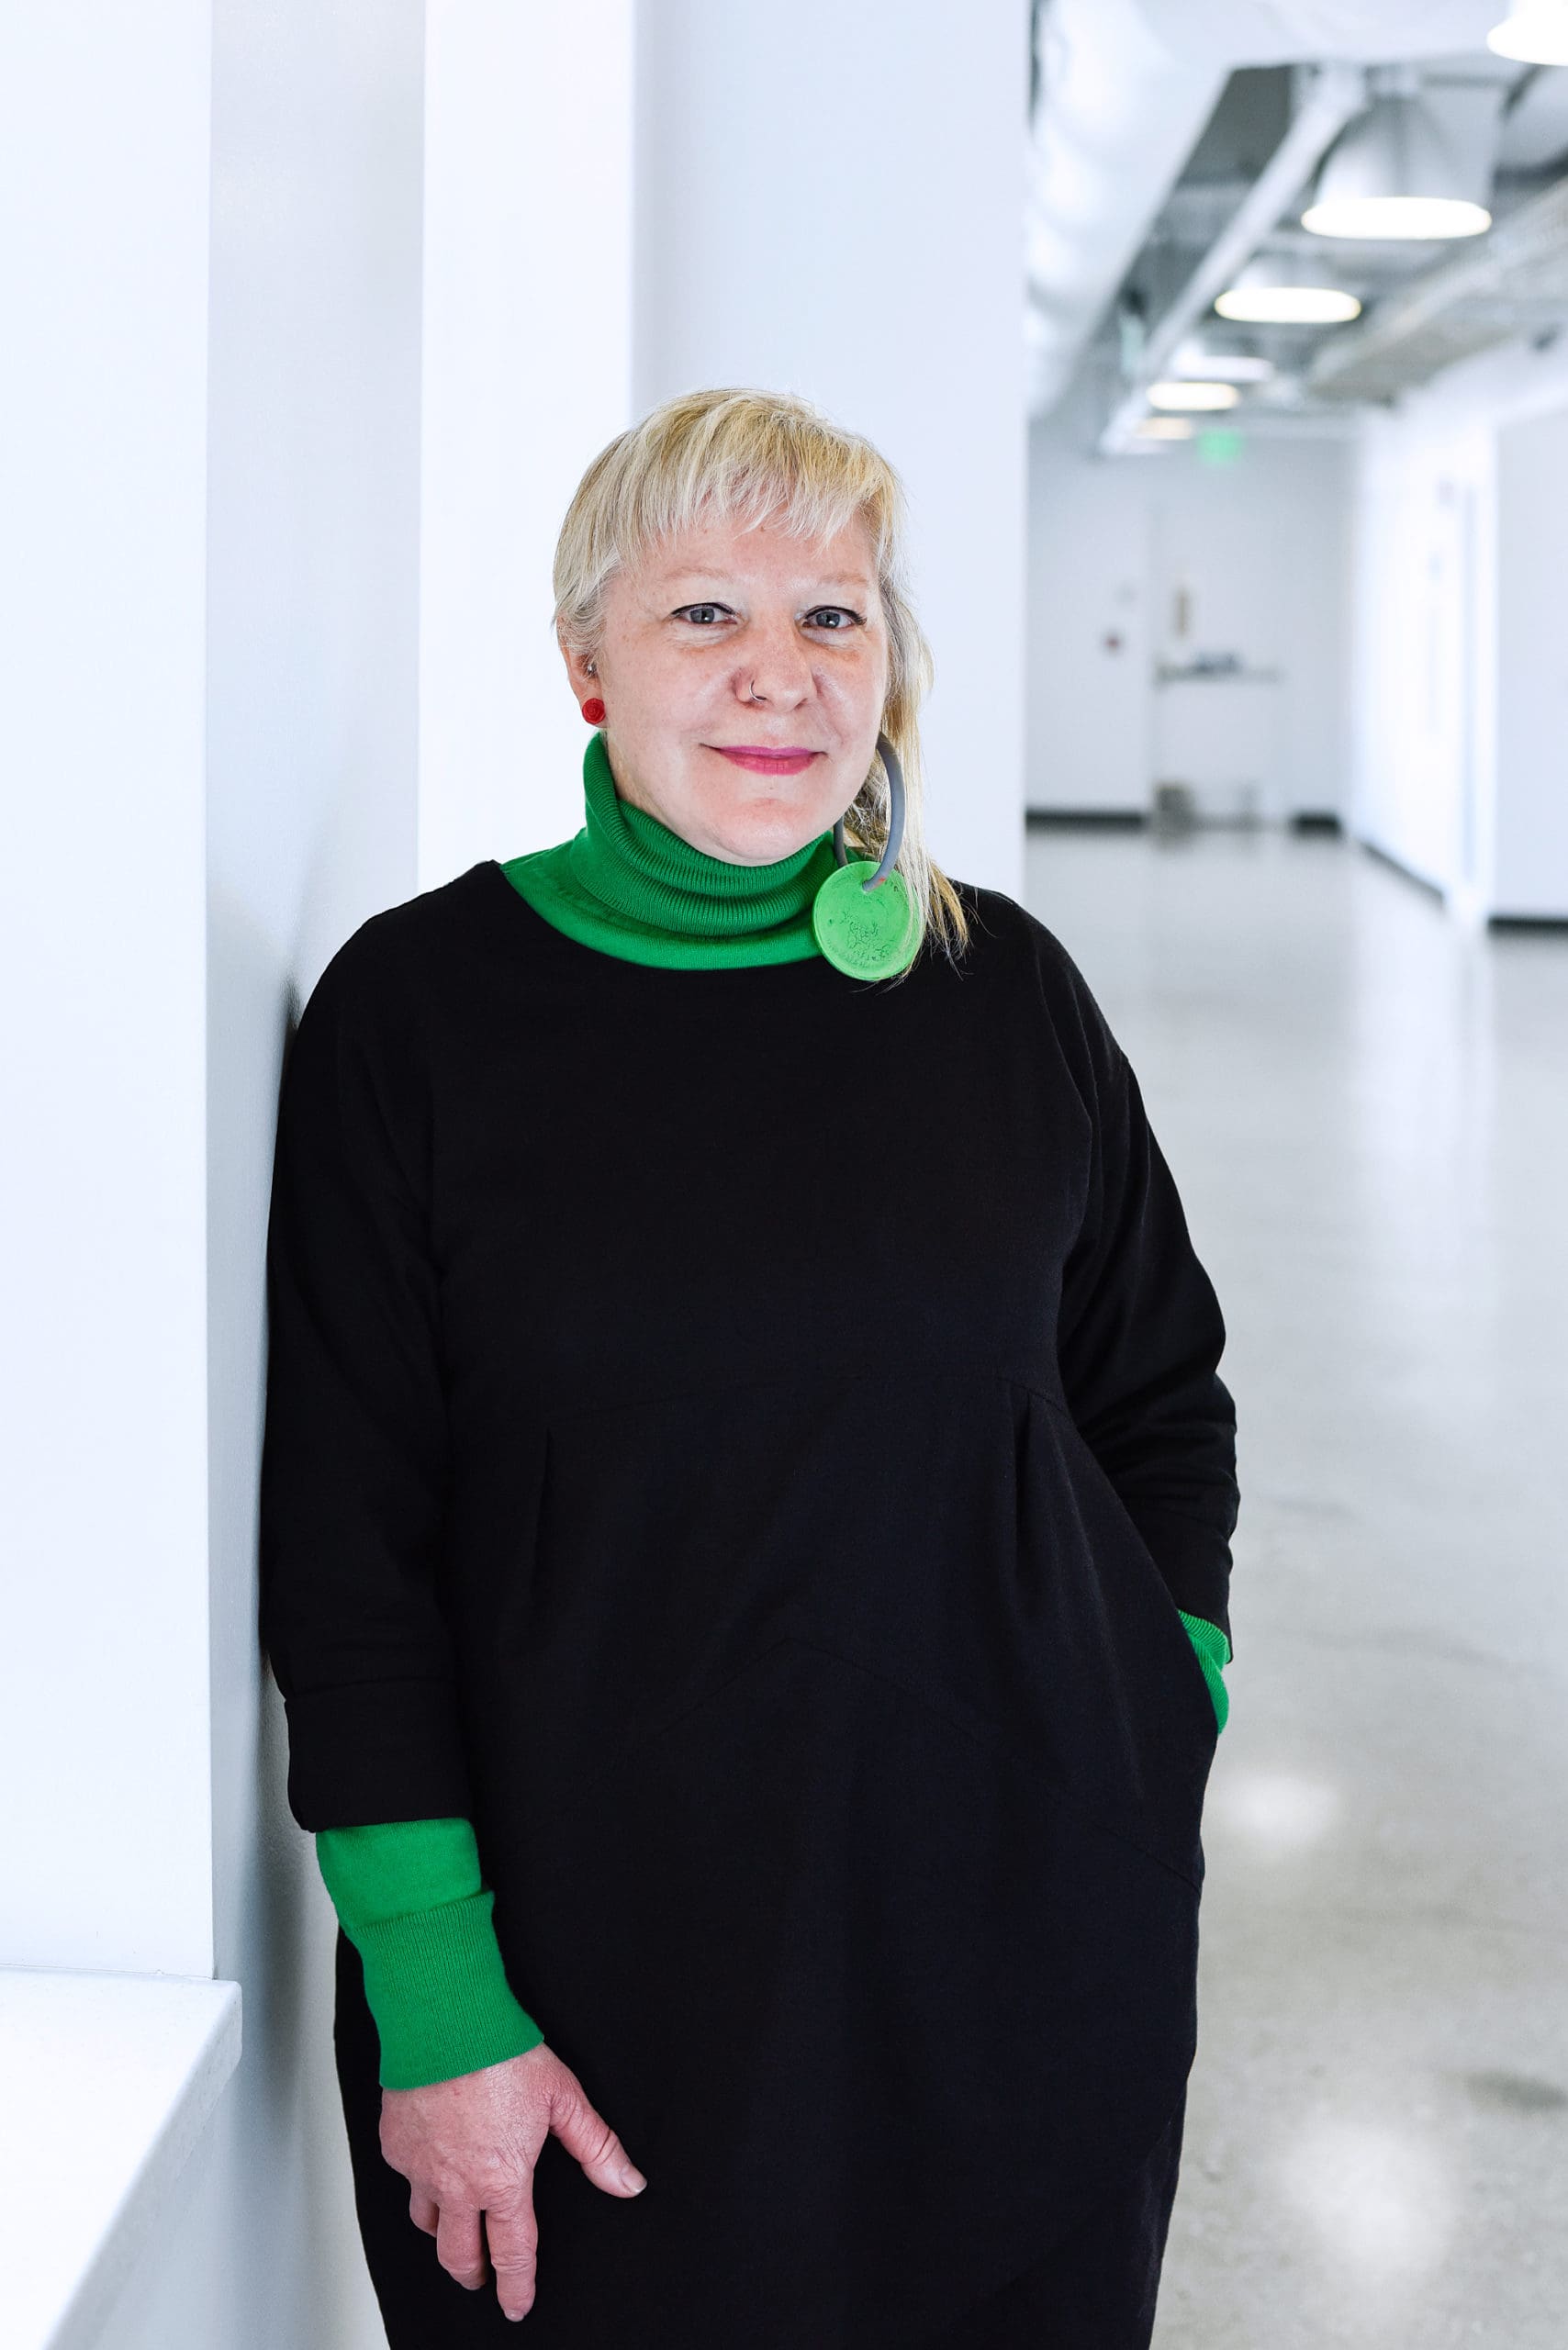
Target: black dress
x: 744, y: 1436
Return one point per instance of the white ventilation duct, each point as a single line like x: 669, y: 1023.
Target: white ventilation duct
x: 1126, y: 87
x: 1362, y: 33
x: 1118, y: 115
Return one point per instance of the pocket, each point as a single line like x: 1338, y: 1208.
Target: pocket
x: 1186, y: 1673
x: 1127, y: 1712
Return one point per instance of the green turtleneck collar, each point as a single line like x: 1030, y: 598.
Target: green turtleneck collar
x: 630, y: 886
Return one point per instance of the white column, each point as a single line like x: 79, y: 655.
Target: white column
x: 312, y: 827
x: 829, y: 201
x: 527, y: 374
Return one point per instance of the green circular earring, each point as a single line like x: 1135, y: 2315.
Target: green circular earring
x: 863, y: 917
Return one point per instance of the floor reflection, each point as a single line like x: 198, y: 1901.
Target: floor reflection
x: 1366, y: 1108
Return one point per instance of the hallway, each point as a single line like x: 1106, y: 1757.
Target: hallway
x: 1363, y: 1107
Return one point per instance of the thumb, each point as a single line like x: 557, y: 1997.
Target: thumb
x: 589, y: 2139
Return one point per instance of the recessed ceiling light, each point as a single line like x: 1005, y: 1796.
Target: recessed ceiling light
x: 1164, y: 427
x: 1189, y: 393
x: 1535, y: 31
x: 1392, y: 172
x: 1287, y: 289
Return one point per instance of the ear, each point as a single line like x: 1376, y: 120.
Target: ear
x: 583, y: 680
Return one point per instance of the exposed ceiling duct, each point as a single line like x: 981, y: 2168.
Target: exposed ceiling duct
x: 1515, y: 282
x: 1118, y: 116
x: 1335, y: 96
x: 1125, y: 89
x: 1467, y: 113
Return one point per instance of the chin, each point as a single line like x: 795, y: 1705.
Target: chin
x: 764, y: 844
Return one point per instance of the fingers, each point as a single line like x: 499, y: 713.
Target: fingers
x: 488, y: 2127
x: 459, y: 2246
x: 514, y: 2238
x: 513, y: 2234
x: 589, y: 2138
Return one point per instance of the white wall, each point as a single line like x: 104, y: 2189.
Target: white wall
x: 1423, y: 669
x: 1531, y: 848
x: 1262, y: 545
x: 1458, y: 674
x: 527, y: 374
x: 1089, y: 709
x: 831, y: 202
x: 102, y: 1433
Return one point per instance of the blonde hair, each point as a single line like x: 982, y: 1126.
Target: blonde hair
x: 741, y: 455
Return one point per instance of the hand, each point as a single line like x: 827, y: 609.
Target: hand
x: 470, y: 2146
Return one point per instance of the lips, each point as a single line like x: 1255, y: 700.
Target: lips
x: 763, y: 760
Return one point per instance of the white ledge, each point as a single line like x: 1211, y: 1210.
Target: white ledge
x: 107, y: 2081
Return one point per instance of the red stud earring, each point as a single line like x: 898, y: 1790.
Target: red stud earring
x: 594, y: 711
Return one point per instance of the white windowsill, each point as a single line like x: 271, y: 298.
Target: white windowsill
x: 106, y: 2082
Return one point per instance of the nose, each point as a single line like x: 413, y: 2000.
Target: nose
x: 773, y: 665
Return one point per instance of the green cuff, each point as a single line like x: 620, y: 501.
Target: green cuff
x: 436, y: 1983
x: 1212, y: 1652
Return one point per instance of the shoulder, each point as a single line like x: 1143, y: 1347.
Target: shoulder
x: 364, y: 1046
x: 357, y: 1060
x: 1039, y: 991
x: 386, y: 967
x: 1027, y: 955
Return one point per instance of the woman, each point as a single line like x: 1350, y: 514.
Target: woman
x: 746, y: 1506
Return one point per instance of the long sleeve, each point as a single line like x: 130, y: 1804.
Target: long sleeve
x: 354, y: 1458
x: 1140, y: 1339
x: 1211, y: 1649
x: 410, y: 1897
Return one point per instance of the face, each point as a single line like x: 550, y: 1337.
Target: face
x: 743, y: 674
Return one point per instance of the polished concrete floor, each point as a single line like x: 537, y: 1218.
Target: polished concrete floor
x: 1366, y: 1109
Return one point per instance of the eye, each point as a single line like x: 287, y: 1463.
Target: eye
x: 842, y: 614
x: 695, y: 611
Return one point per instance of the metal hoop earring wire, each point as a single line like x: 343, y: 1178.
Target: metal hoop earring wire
x: 894, y: 773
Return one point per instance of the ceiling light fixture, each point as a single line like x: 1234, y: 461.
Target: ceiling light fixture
x: 1287, y: 289
x: 1194, y: 358
x: 1535, y: 31
x: 1393, y: 172
x: 1188, y: 393
x: 1164, y: 427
